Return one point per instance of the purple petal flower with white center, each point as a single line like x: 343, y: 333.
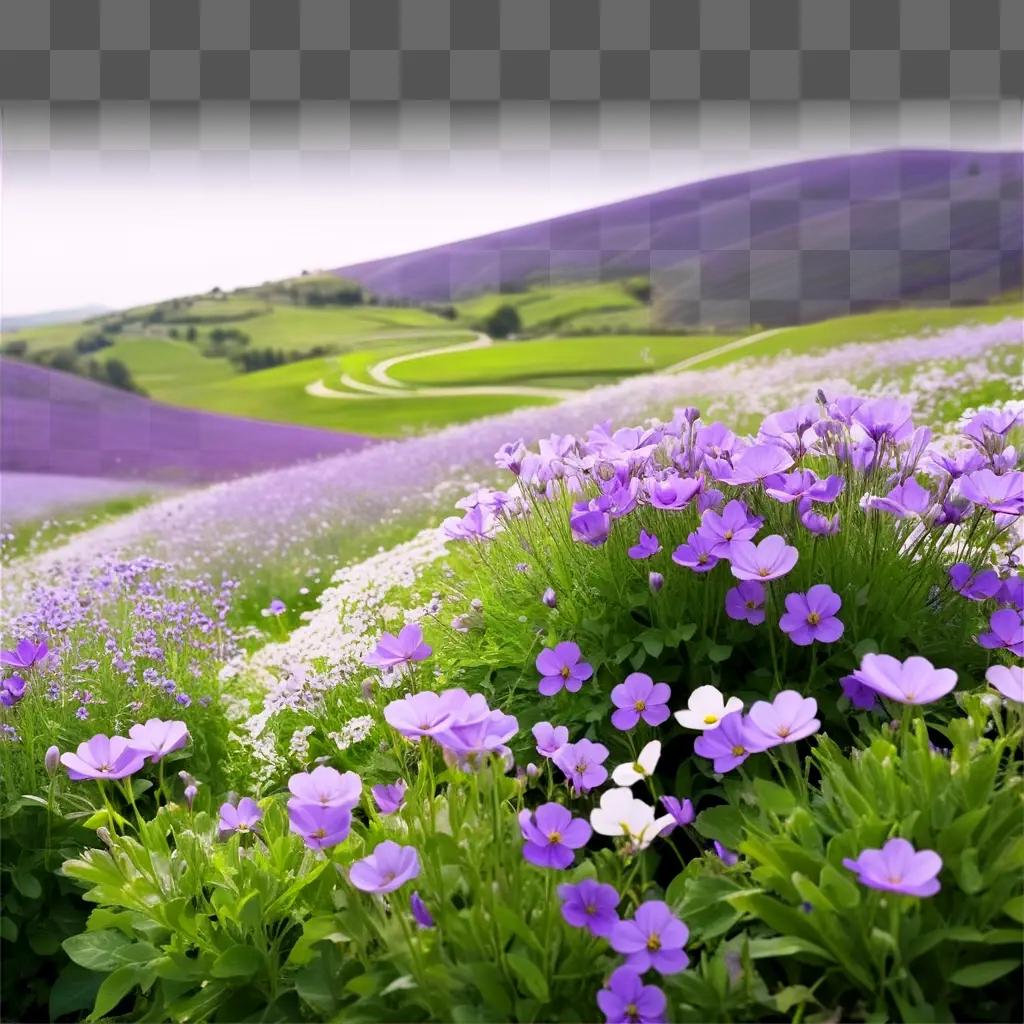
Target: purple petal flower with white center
x: 386, y: 869
x: 103, y: 757
x: 769, y: 560
x: 24, y: 654
x: 1005, y: 629
x: 552, y: 834
x: 653, y: 938
x: 733, y: 523
x: 403, y: 649
x: 725, y: 855
x: 996, y: 493
x: 745, y: 602
x: 898, y: 867
x: 811, y: 617
x: 975, y: 585
x: 550, y: 738
x: 645, y: 547
x: 627, y: 1000
x: 12, y: 689
x: 681, y: 810
x: 275, y: 608
x: 753, y: 464
x: 427, y: 713
x: 906, y: 499
x: 239, y: 818
x: 860, y: 696
x: 389, y: 798
x: 590, y: 904
x: 788, y: 718
x: 726, y: 744
x: 1008, y: 680
x: 320, y: 826
x: 914, y: 681
x: 675, y: 493
x: 326, y: 787
x: 639, y: 697
x: 582, y: 763
x: 697, y: 553
x: 421, y: 914
x: 158, y: 738
x: 561, y: 666
x: 590, y: 527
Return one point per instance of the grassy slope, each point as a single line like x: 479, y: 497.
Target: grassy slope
x: 164, y: 366
x: 603, y: 358
x: 552, y: 305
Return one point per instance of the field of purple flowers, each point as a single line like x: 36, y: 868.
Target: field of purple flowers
x: 716, y: 717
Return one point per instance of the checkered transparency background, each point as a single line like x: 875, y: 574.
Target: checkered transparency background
x: 249, y: 87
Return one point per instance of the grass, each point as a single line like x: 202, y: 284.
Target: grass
x: 574, y: 362
x: 164, y: 366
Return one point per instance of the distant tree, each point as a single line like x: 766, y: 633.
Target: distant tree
x: 64, y: 359
x: 119, y: 376
x: 503, y: 322
x: 92, y: 342
x: 173, y: 332
x: 16, y: 348
x: 191, y: 334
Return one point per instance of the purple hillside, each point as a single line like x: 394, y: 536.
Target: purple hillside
x: 777, y: 245
x: 57, y: 423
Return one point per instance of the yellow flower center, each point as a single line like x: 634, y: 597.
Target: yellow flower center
x: 640, y: 706
x: 710, y: 719
x: 654, y: 943
x: 554, y: 838
x: 738, y: 750
x: 564, y: 671
x: 764, y: 572
x: 814, y: 618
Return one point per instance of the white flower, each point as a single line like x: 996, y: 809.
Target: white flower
x: 706, y: 707
x: 621, y: 814
x: 627, y: 774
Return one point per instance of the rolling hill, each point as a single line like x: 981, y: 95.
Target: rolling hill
x: 778, y: 245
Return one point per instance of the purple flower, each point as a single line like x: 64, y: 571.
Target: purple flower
x: 1006, y: 629
x: 681, y: 810
x: 675, y: 493
x: 788, y: 718
x: 325, y: 787
x: 590, y: 904
x: 581, y: 763
x: 811, y: 617
x: 914, y: 681
x: 24, y: 654
x: 158, y: 738
x: 549, y: 598
x: 906, y: 499
x: 1008, y: 680
x: 276, y: 607
x: 427, y: 713
x: 550, y: 738
x: 389, y: 798
x: 627, y: 1000
x: 319, y: 825
x: 815, y: 522
x: 12, y: 689
x: 803, y: 485
x: 753, y: 464
x: 474, y: 739
x: 241, y: 818
x: 551, y: 835
x: 996, y: 493
x: 1012, y: 592
x: 732, y: 524
x: 103, y: 758
x: 561, y: 666
x: 697, y: 553
x: 420, y: 913
x: 646, y: 546
x: 387, y: 868
x: 655, y: 581
x: 745, y: 602
x: 403, y: 649
x: 590, y: 527
x: 51, y: 759
x: 975, y: 585
x: 726, y: 745
x: 859, y: 695
x: 769, y: 560
x: 639, y: 697
x: 654, y: 938
x: 725, y: 855
x: 898, y: 867
x: 884, y: 418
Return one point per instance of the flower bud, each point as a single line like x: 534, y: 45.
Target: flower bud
x: 691, y: 414
x: 550, y: 598
x: 51, y: 760
x: 656, y: 581
x: 532, y: 771
x: 103, y: 833
x: 190, y: 795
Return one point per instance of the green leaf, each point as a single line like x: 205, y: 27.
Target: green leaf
x: 8, y: 929
x: 511, y: 924
x: 530, y: 975
x: 773, y: 797
x: 724, y: 823
x: 96, y: 950
x: 74, y: 990
x: 981, y: 974
x: 27, y: 884
x: 719, y: 652
x: 237, y: 962
x: 786, y: 945
x: 791, y: 996
x: 116, y: 986
x: 102, y: 817
x: 491, y: 985
x: 1015, y: 908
